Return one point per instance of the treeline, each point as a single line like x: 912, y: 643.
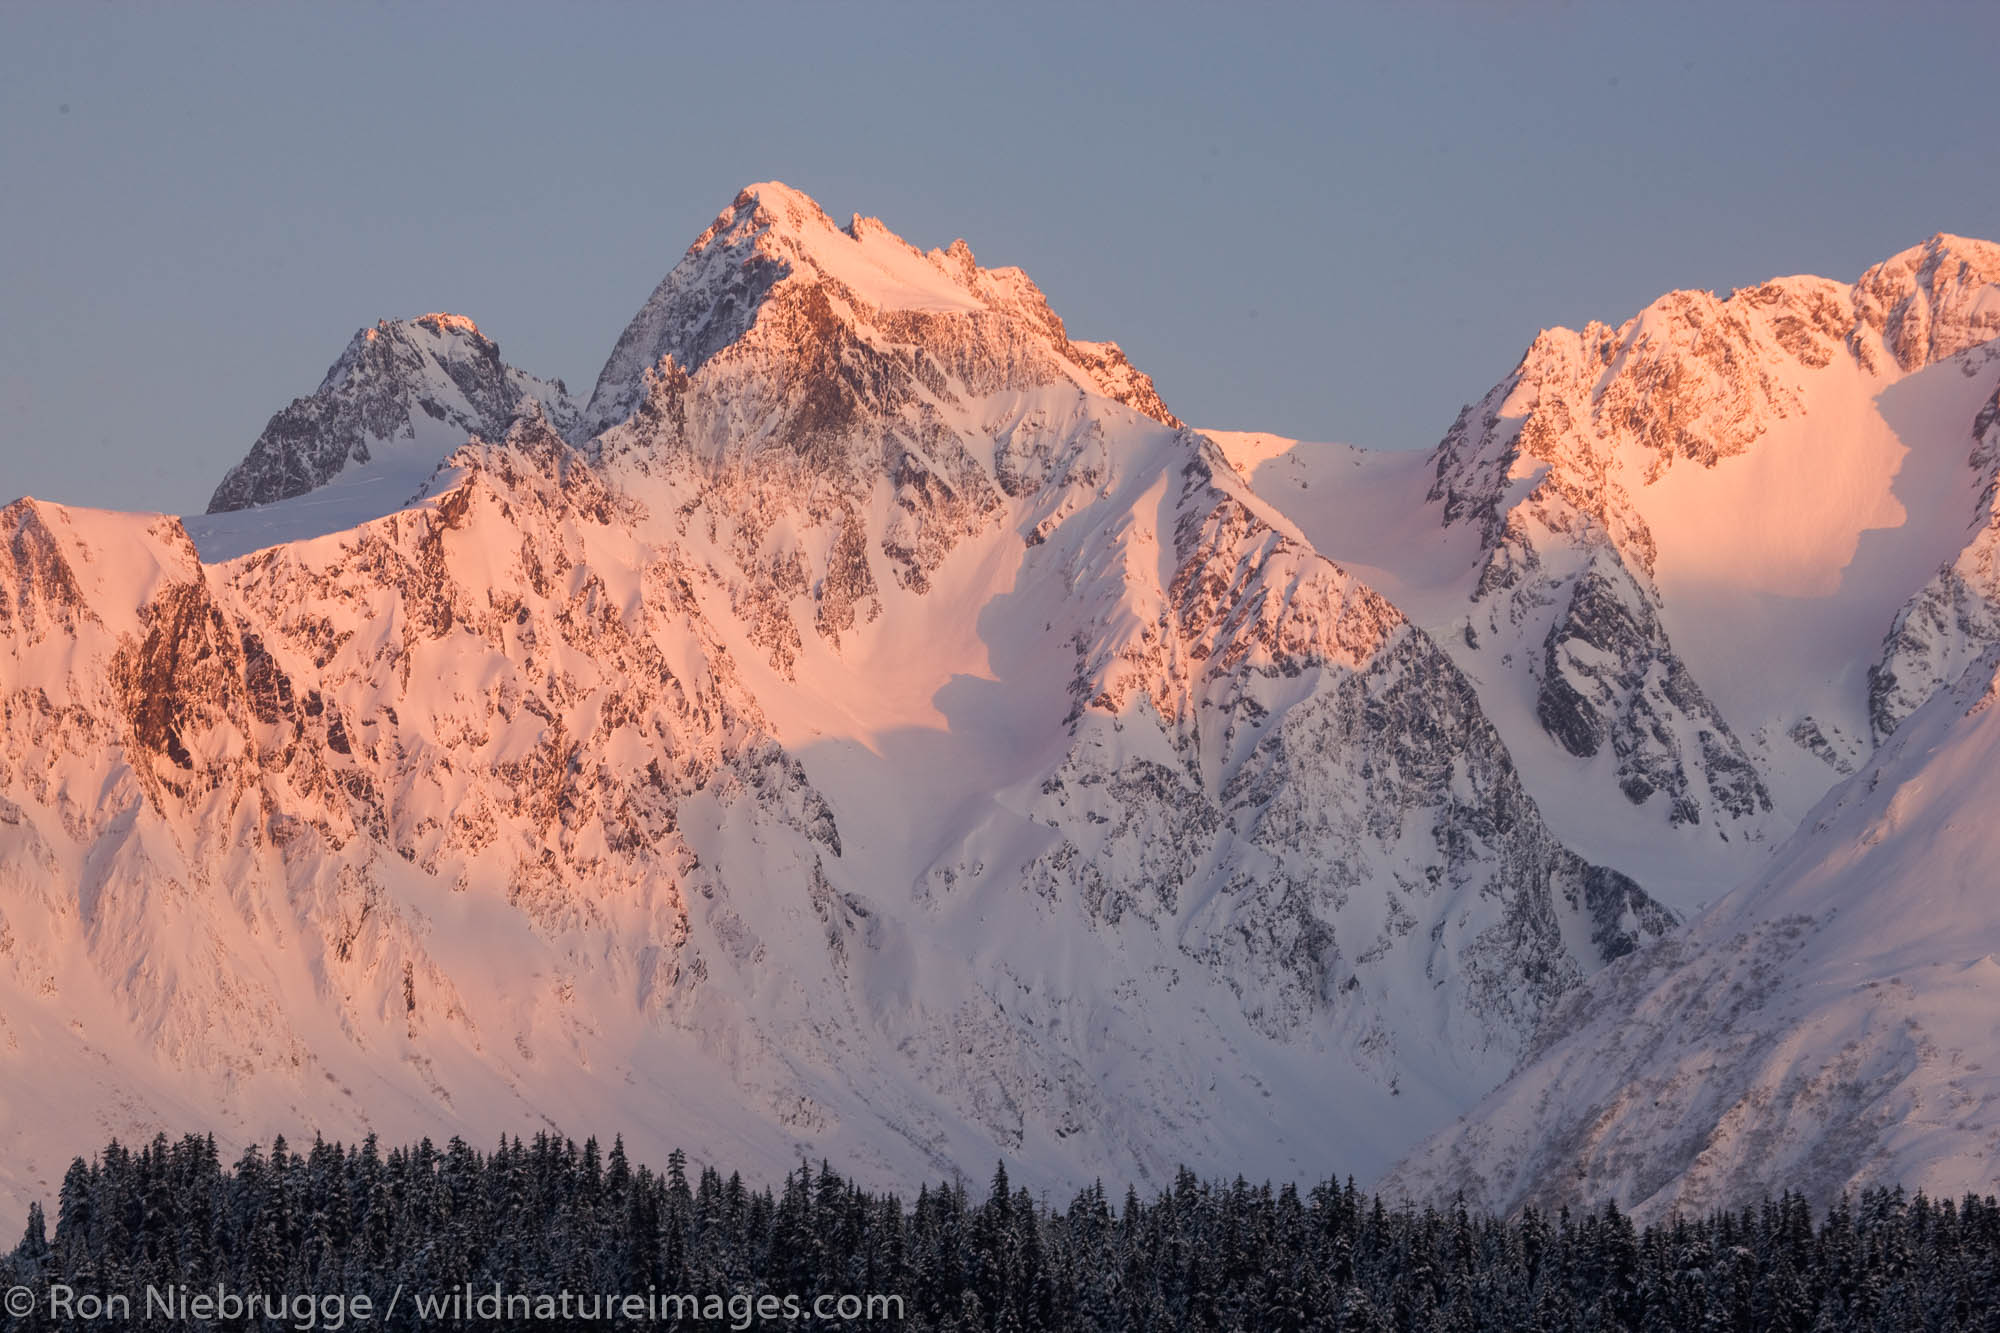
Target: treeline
x: 548, y: 1216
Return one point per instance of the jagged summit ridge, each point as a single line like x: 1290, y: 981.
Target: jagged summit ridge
x: 774, y: 256
x: 404, y: 391
x: 1605, y: 481
x: 852, y: 409
x: 1697, y: 378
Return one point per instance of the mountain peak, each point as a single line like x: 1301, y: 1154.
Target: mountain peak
x: 1933, y: 300
x: 791, y: 223
x: 1983, y: 253
x: 403, y: 393
x: 778, y: 203
x: 439, y: 328
x: 774, y: 242
x: 873, y: 263
x: 442, y: 323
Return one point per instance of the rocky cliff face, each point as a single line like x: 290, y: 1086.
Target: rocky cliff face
x: 774, y: 268
x: 891, y: 734
x: 1929, y: 303
x: 405, y: 387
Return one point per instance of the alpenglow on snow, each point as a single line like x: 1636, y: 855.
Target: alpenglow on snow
x: 875, y: 727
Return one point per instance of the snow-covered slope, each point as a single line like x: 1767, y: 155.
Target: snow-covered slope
x: 402, y: 396
x: 1833, y: 1025
x: 1667, y: 553
x: 890, y: 736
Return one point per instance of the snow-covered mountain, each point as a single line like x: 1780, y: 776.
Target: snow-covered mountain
x: 882, y: 730
x: 402, y: 396
x: 1668, y: 553
x: 876, y: 727
x: 1796, y: 510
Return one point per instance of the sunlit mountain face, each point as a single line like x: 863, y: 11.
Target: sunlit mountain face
x: 873, y: 726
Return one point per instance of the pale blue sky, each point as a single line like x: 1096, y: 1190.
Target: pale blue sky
x: 1339, y: 223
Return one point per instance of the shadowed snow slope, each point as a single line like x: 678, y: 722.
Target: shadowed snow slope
x: 1832, y: 1025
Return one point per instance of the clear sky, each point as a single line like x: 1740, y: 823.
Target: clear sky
x: 1337, y: 223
